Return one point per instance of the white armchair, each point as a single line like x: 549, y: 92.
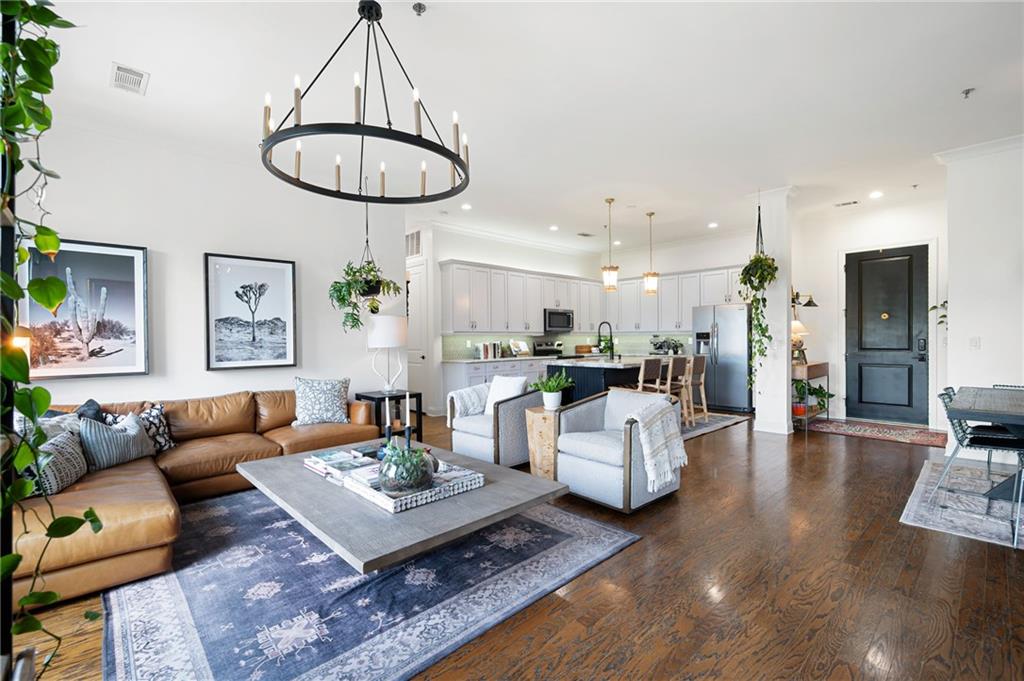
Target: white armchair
x: 499, y: 437
x: 599, y: 452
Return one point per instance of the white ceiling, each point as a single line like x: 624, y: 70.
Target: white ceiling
x: 683, y: 109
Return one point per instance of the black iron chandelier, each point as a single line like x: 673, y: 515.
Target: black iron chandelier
x: 457, y: 155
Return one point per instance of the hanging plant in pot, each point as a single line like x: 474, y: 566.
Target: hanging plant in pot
x: 361, y: 287
x: 757, y: 275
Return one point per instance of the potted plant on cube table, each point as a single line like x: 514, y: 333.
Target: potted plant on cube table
x: 552, y: 387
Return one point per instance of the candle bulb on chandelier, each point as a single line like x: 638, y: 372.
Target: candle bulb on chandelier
x: 298, y: 101
x: 382, y: 178
x: 298, y: 158
x: 270, y: 152
x: 455, y: 131
x: 423, y: 178
x: 465, y: 148
x: 337, y: 172
x: 417, y: 111
x: 266, y: 115
x: 359, y: 104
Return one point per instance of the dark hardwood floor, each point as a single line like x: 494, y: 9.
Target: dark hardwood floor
x: 774, y: 561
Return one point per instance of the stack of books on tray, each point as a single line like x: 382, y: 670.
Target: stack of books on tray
x: 335, y: 465
x: 449, y: 480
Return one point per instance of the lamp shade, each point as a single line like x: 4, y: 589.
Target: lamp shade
x: 387, y: 331
x: 797, y: 328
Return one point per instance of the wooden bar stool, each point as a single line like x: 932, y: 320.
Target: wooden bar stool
x: 700, y: 363
x: 650, y: 376
x: 680, y: 375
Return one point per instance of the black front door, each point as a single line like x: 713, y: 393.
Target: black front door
x: 887, y: 334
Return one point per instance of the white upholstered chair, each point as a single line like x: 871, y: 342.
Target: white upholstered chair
x: 599, y: 452
x: 498, y: 437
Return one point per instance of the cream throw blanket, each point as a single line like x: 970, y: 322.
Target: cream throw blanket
x: 467, y: 401
x: 661, y: 441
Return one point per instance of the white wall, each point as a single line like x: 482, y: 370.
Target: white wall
x: 985, y: 189
x: 500, y: 251
x: 820, y: 244
x: 179, y: 204
x: 699, y: 253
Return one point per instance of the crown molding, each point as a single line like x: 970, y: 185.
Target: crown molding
x: 503, y: 238
x: 1014, y: 142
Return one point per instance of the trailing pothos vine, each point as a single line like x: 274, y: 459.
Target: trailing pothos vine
x: 757, y: 275
x: 28, y: 56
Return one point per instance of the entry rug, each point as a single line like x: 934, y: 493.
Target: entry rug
x: 882, y: 431
x: 715, y: 422
x: 964, y: 514
x: 252, y: 595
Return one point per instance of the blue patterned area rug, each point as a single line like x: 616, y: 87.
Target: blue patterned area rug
x: 252, y: 595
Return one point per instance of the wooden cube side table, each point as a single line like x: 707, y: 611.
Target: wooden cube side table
x: 542, y: 437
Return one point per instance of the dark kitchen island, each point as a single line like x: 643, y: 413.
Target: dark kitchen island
x: 593, y: 375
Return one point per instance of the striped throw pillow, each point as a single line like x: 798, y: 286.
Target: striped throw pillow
x: 62, y: 464
x: 106, y: 446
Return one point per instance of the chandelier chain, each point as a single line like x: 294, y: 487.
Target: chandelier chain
x: 320, y: 72
x: 380, y: 70
x: 366, y: 90
x: 423, y: 104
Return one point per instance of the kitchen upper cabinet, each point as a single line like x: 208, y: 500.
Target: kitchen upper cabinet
x: 468, y: 289
x: 733, y: 294
x: 648, y: 306
x: 629, y: 306
x: 595, y: 302
x: 547, y: 287
x: 479, y: 299
x: 534, y: 304
x: 689, y: 298
x: 612, y: 308
x: 714, y: 287
x: 572, y: 302
x: 563, y: 300
x: 516, y: 306
x: 668, y: 303
x: 457, y: 283
x: 499, y: 308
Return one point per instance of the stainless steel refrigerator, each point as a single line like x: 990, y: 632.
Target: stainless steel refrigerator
x: 722, y: 333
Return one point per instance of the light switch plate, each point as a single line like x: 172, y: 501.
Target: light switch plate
x: 974, y: 342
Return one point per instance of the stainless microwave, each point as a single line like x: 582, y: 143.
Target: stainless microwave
x: 558, y: 321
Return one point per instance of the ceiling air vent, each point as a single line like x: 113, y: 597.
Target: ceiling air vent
x: 844, y: 204
x: 586, y: 235
x: 126, y: 78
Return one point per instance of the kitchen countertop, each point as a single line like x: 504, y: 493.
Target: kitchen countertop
x: 496, y: 359
x: 602, y: 361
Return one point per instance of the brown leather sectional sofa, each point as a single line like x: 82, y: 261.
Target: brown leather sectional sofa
x: 138, y: 501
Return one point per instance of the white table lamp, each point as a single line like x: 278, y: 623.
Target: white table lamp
x: 387, y: 332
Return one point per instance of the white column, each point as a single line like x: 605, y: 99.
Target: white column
x: 985, y: 222
x: 773, y: 386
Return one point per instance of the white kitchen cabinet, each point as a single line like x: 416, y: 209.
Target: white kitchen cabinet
x: 547, y: 288
x: 612, y: 308
x: 714, y: 287
x: 499, y: 301
x: 594, y: 305
x: 516, y: 306
x: 534, y: 304
x: 735, y: 287
x: 459, y: 281
x: 689, y: 298
x: 468, y: 289
x: 480, y: 299
x: 629, y: 306
x: 648, y: 306
x: 668, y: 303
x: 562, y: 299
x: 573, y: 302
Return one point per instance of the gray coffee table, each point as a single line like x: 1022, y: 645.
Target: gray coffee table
x: 369, y: 538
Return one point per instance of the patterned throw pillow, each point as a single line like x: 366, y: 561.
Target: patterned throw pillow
x: 320, y: 401
x: 63, y: 466
x: 53, y: 426
x: 153, y: 420
x: 106, y: 446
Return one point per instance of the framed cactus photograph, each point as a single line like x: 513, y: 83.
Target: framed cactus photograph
x: 101, y: 328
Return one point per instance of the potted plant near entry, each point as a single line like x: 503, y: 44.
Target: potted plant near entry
x: 361, y: 286
x: 821, y: 395
x: 552, y: 387
x: 800, y: 389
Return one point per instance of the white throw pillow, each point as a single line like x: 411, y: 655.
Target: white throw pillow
x: 502, y: 388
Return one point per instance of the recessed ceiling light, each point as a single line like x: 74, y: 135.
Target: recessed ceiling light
x: 553, y: 228
x: 467, y: 206
x: 875, y: 195
x: 617, y: 243
x: 712, y: 225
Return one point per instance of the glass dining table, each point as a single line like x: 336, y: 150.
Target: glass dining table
x: 1002, y: 406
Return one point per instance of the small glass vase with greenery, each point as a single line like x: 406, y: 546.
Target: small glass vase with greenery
x: 552, y: 386
x: 404, y: 471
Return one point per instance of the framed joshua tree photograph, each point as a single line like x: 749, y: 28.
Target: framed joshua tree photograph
x: 101, y: 328
x: 250, y: 312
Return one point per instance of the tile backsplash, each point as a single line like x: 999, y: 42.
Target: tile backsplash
x: 455, y: 347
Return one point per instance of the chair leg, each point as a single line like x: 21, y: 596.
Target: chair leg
x: 1020, y: 497
x: 945, y: 472
x: 703, y: 401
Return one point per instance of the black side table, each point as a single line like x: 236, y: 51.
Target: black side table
x: 377, y: 397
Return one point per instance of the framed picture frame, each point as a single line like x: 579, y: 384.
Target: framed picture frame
x: 250, y: 312
x: 102, y: 328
